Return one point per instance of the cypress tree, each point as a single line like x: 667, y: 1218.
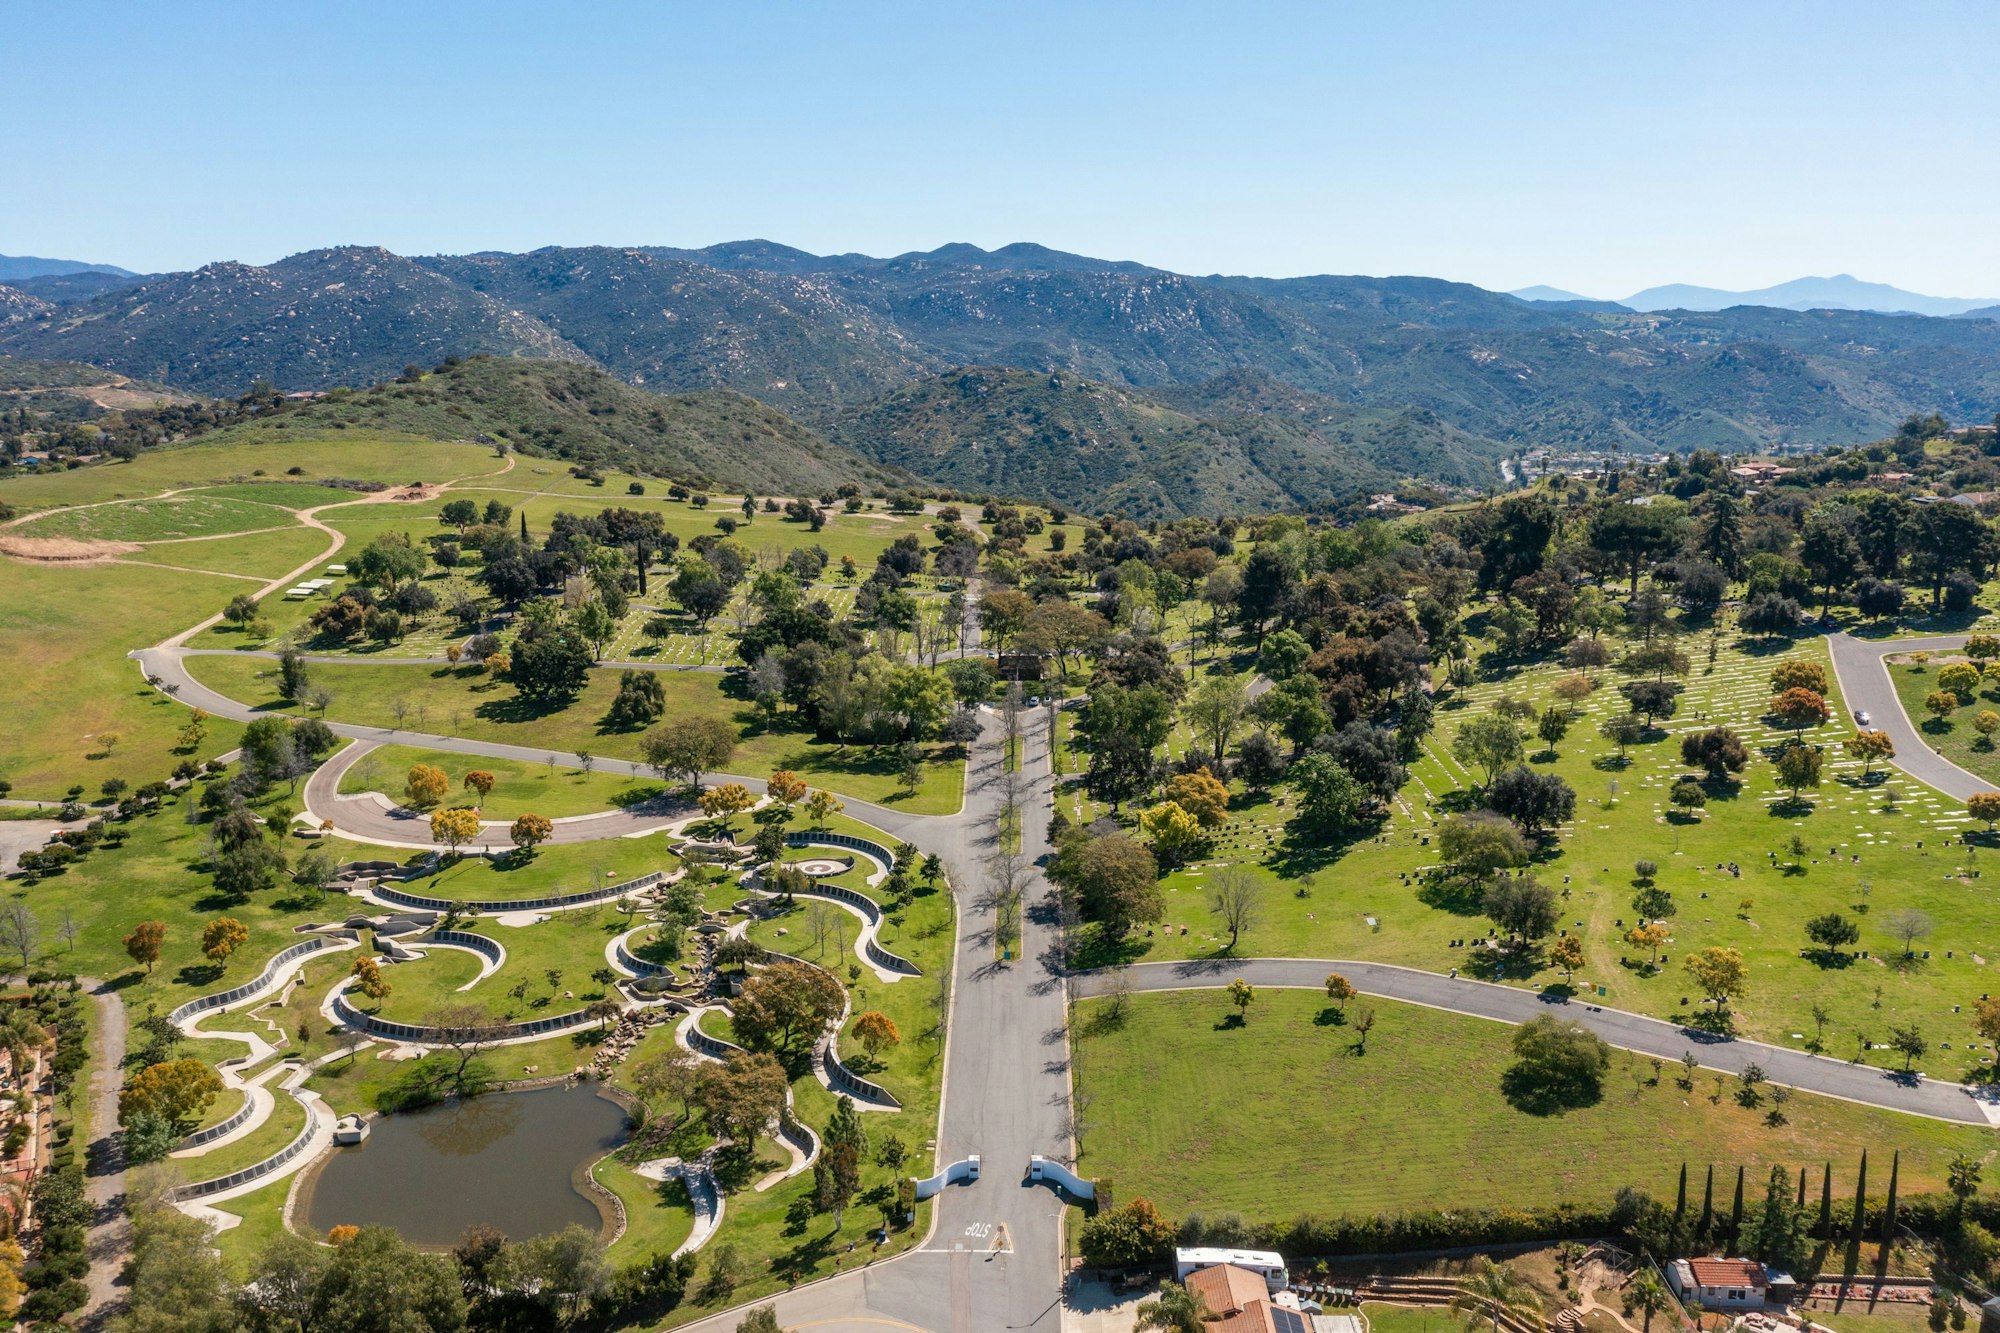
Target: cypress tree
x: 1736, y: 1212
x: 1681, y: 1198
x: 1707, y: 1206
x: 1825, y: 1229
x: 524, y: 527
x: 1800, y: 1202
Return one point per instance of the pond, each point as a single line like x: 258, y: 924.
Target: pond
x: 512, y: 1160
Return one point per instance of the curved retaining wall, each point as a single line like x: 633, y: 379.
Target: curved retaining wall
x: 966, y: 1169
x: 382, y: 1027
x: 223, y: 999
x: 809, y: 838
x: 799, y: 1134
x: 846, y: 1080
x: 713, y: 1047
x: 556, y: 901
x: 203, y: 1189
x: 632, y: 963
x: 868, y: 908
x: 1044, y: 1168
x: 838, y: 1076
x: 214, y: 1132
x: 491, y: 950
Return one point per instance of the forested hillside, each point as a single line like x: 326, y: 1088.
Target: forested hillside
x: 1299, y: 387
x: 582, y: 415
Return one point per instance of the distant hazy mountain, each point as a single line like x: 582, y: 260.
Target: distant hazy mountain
x: 1841, y: 292
x: 32, y: 266
x: 1544, y: 292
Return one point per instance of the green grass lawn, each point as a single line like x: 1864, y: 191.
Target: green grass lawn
x: 1282, y: 1117
x: 1370, y: 901
x: 354, y: 455
x: 64, y: 633
x: 178, y: 516
x: 1953, y: 736
x: 465, y: 702
x: 261, y: 555
x: 521, y: 787
x: 284, y: 1124
x: 285, y: 494
x: 569, y: 943
x: 554, y: 870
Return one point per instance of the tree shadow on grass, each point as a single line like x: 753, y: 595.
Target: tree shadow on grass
x: 198, y: 974
x: 1330, y: 1017
x: 1095, y: 948
x: 1531, y: 1093
x: 1459, y: 897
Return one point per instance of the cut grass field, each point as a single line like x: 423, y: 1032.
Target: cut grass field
x: 1864, y: 859
x: 352, y: 455
x: 466, y: 702
x: 1281, y: 1116
x: 260, y: 555
x: 571, y: 944
x: 176, y: 516
x: 520, y: 787
x: 1952, y: 736
x: 64, y: 633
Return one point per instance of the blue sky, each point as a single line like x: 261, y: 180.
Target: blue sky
x: 1598, y: 147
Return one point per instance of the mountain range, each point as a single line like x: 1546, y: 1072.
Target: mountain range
x: 1052, y: 374
x: 1843, y: 291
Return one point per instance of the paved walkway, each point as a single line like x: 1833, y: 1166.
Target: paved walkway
x: 1632, y: 1032
x: 109, y: 1236
x: 1865, y: 684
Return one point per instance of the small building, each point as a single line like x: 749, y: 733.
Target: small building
x: 1720, y: 1284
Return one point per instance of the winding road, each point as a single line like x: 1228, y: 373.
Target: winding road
x: 1633, y: 1032
x: 993, y: 1257
x: 1859, y: 666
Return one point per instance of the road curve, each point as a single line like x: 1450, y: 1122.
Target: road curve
x: 167, y: 664
x: 1633, y: 1032
x: 1864, y: 682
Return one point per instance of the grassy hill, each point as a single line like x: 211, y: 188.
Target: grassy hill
x: 580, y: 414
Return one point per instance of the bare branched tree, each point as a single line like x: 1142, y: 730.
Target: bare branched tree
x: 19, y: 932
x: 1235, y: 896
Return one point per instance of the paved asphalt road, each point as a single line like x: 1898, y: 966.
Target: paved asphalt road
x: 993, y: 1260
x: 1632, y: 1032
x: 360, y: 815
x: 168, y: 666
x: 1865, y: 684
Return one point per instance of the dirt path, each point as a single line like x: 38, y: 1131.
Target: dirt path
x: 109, y: 1238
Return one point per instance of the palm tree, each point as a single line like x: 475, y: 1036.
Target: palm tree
x: 1174, y: 1310
x: 1490, y: 1291
x: 1648, y: 1295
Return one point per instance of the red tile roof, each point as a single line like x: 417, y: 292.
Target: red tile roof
x: 1727, y: 1272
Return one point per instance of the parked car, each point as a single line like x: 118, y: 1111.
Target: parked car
x: 1860, y: 717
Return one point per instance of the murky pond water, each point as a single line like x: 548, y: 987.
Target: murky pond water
x: 512, y: 1160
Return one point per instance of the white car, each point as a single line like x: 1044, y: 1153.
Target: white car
x: 1861, y: 717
